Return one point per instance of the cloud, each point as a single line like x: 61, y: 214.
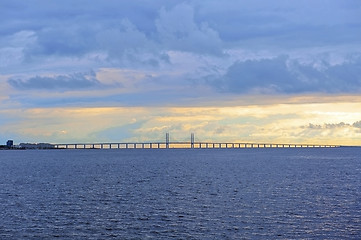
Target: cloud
x: 259, y: 123
x: 288, y: 76
x: 357, y: 124
x: 138, y: 34
x: 125, y: 131
x: 12, y: 48
x: 332, y: 125
x: 73, y: 40
x: 220, y: 130
x: 266, y: 75
x: 178, y: 30
x: 57, y: 83
x: 70, y: 28
x: 283, y: 23
x: 337, y: 125
x: 126, y: 45
x: 313, y: 126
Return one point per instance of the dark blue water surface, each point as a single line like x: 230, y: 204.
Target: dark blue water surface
x: 181, y: 194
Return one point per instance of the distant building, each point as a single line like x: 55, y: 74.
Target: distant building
x: 45, y: 145
x: 10, y: 143
x: 36, y: 145
x: 28, y: 145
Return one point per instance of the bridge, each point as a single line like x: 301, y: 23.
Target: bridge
x: 191, y: 144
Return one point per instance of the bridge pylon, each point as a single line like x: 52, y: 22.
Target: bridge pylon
x: 167, y: 140
x: 192, y: 140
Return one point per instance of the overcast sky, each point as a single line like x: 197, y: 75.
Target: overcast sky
x: 122, y: 68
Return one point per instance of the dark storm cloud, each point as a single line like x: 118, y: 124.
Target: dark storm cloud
x: 285, y: 75
x: 62, y: 82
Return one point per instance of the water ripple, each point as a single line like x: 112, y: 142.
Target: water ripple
x: 182, y: 194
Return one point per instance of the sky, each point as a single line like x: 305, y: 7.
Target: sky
x: 235, y: 71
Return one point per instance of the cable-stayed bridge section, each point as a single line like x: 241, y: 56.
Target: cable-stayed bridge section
x: 190, y: 144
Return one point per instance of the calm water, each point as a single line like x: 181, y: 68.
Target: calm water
x: 181, y: 194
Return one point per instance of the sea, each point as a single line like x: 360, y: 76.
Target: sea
x: 265, y: 193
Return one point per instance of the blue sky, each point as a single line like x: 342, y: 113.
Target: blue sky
x: 81, y: 71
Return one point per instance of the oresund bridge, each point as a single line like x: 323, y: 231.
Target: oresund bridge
x: 190, y: 144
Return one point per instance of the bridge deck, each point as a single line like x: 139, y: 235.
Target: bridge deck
x: 164, y: 145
